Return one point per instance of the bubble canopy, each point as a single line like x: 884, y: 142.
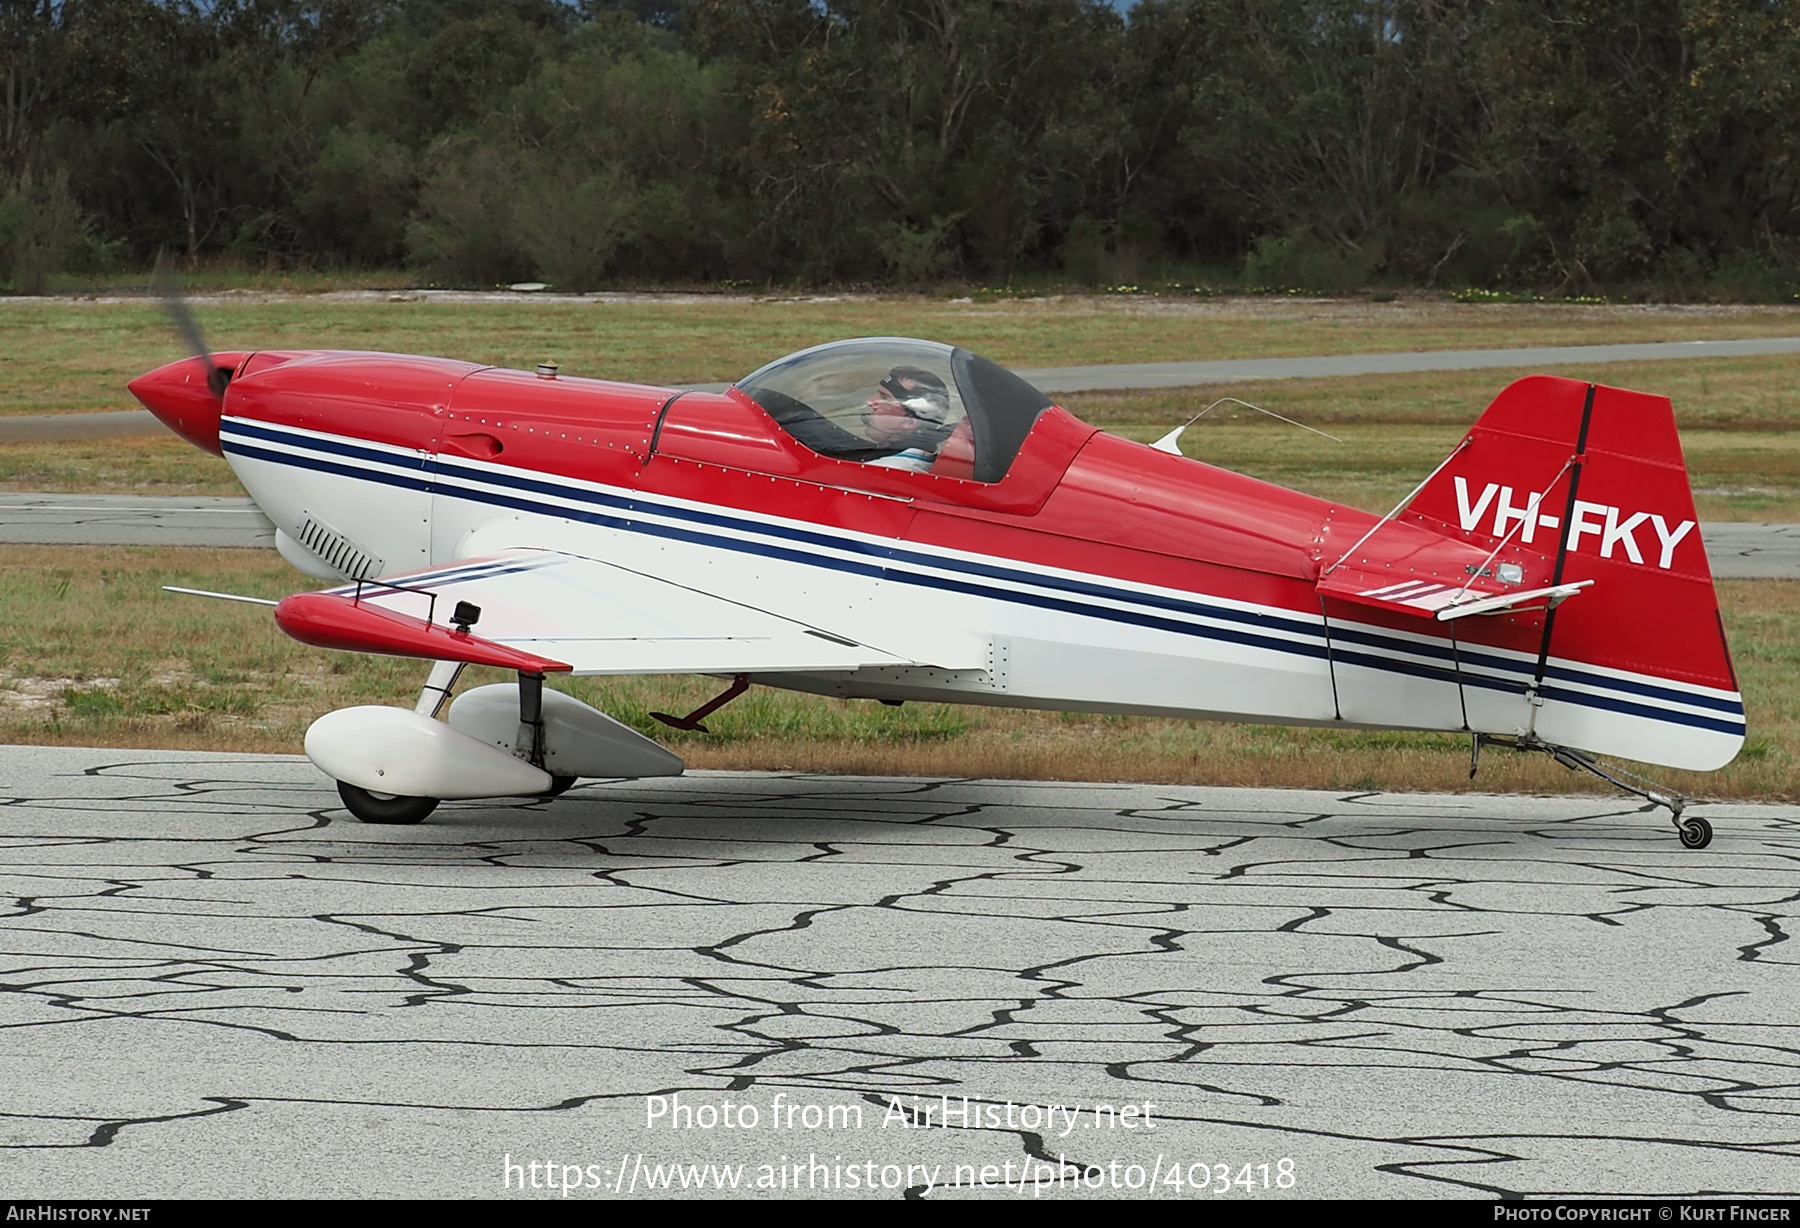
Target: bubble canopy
x: 972, y: 414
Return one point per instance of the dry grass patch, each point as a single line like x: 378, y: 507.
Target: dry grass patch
x: 164, y: 465
x: 93, y: 654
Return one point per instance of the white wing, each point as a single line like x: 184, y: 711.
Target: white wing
x: 604, y: 619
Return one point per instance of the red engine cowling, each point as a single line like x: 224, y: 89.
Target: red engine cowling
x: 181, y: 396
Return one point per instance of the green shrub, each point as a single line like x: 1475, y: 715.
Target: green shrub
x: 466, y: 233
x: 1298, y: 260
x: 43, y: 231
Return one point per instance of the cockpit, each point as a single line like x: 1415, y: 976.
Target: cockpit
x: 901, y: 403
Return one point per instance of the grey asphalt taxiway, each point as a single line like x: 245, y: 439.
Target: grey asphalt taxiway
x: 217, y: 984
x: 133, y: 520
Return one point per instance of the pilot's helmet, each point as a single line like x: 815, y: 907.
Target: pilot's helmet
x: 922, y: 393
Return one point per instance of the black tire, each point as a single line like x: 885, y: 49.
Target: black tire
x: 372, y: 808
x: 559, y: 785
x: 1696, y: 833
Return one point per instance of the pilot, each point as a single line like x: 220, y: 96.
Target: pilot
x: 908, y: 419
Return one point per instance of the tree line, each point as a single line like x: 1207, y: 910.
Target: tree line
x: 1555, y: 145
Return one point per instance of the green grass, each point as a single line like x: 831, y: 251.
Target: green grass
x: 164, y: 465
x: 60, y: 355
x: 1739, y: 421
x: 93, y: 653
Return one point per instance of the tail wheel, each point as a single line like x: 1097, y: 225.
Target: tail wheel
x: 1696, y: 833
x: 384, y: 807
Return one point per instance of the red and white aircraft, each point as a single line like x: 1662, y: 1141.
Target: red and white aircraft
x: 1545, y: 587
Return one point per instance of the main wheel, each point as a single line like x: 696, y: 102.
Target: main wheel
x: 384, y: 807
x: 1696, y: 833
x: 559, y: 785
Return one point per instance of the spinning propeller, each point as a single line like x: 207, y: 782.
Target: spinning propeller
x: 186, y: 398
x: 167, y: 287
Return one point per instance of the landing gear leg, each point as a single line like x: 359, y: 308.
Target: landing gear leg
x: 436, y: 691
x: 531, y: 733
x: 531, y: 719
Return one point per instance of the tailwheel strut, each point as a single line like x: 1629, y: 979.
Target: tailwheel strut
x: 1693, y: 831
x: 691, y: 722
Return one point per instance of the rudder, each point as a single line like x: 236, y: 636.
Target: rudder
x: 1593, y: 477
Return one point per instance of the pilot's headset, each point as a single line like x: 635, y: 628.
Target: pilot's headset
x: 925, y: 398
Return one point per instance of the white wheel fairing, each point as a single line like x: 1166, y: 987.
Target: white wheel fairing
x: 578, y: 740
x: 397, y: 751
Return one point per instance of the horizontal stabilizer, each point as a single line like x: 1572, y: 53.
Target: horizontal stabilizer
x: 1441, y: 598
x: 1409, y: 568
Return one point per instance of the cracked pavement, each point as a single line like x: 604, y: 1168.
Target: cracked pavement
x: 213, y: 982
